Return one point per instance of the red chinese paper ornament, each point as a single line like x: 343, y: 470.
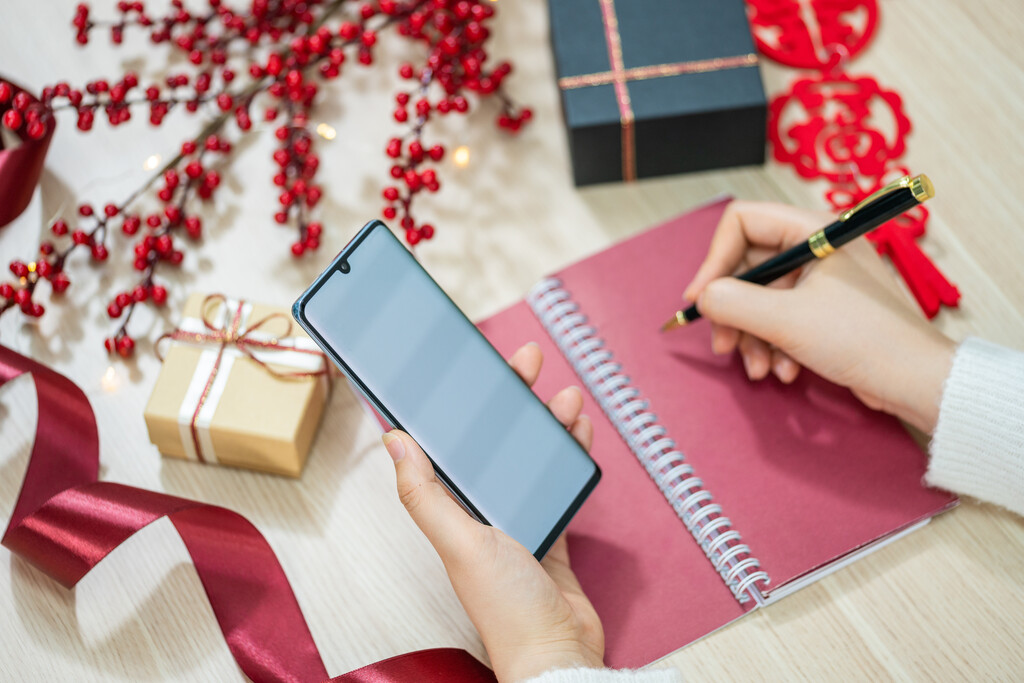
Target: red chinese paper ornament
x: 845, y: 129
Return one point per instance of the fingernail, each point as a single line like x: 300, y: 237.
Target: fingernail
x: 395, y: 446
x: 746, y: 366
x: 532, y: 343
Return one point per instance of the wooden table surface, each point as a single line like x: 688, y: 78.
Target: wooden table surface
x: 944, y: 603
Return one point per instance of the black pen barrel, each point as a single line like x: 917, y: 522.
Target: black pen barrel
x: 883, y: 210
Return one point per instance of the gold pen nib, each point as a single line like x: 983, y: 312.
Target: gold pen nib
x: 678, y: 321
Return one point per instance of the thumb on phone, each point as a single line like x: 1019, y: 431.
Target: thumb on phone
x: 442, y: 520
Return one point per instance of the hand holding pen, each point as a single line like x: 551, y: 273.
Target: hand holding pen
x: 844, y: 317
x: 883, y: 205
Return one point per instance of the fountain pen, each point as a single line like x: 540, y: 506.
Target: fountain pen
x: 882, y: 205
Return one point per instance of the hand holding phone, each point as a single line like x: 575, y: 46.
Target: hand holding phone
x: 427, y: 370
x: 532, y: 617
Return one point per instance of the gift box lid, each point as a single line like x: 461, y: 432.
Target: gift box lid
x: 658, y: 60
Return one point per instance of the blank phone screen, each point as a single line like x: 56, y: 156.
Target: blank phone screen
x: 413, y: 350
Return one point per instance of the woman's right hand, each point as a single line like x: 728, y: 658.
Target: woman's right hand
x: 843, y: 317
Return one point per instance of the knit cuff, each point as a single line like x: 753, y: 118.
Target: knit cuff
x: 608, y: 676
x: 978, y: 445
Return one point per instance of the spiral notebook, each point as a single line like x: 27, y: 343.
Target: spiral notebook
x: 719, y: 495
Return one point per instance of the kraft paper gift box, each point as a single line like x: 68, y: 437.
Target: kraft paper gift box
x: 241, y: 385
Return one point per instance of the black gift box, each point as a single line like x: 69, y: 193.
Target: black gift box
x: 653, y: 87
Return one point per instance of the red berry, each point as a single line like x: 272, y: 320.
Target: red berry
x: 123, y: 299
x: 389, y: 212
x: 5, y: 91
x: 224, y: 101
x: 436, y: 152
x: 44, y: 269
x: 394, y: 149
x: 412, y: 236
x: 125, y: 346
x: 188, y: 147
x: 348, y: 30
x: 110, y: 210
x: 99, y: 252
x: 173, y: 214
x: 159, y: 293
x: 313, y: 196
x: 405, y: 71
x: 281, y: 217
x: 401, y: 115
x: 36, y: 130
x: 108, y: 344
x: 60, y: 227
x: 19, y: 269
x: 6, y: 289
x: 390, y: 193
x: 79, y: 237
x: 298, y: 248
x: 21, y: 101
x: 427, y: 231
x: 113, y: 310
x: 193, y: 227
x: 84, y: 210
x: 139, y: 294
x: 22, y: 297
x: 193, y: 169
x: 60, y: 282
x: 314, y: 230
x: 416, y: 149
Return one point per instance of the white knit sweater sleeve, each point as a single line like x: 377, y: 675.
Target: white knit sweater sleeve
x: 978, y: 445
x: 608, y: 676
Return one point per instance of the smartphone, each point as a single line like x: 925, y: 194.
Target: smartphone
x: 429, y: 371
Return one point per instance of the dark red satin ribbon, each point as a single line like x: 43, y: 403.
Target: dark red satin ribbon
x: 20, y: 168
x: 65, y: 522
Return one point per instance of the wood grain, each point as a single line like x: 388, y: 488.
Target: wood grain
x: 944, y: 603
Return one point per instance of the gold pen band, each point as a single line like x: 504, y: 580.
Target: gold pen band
x: 819, y: 244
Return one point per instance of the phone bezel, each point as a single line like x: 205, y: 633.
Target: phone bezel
x: 298, y: 312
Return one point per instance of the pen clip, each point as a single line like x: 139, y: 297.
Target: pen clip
x: 920, y: 186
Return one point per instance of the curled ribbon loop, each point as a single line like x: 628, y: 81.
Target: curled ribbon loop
x: 65, y: 522
x: 243, y: 340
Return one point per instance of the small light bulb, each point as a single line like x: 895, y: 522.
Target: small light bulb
x: 326, y: 131
x: 461, y: 156
x: 111, y: 380
x: 151, y: 162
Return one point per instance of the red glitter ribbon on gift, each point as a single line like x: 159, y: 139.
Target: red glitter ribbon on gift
x: 65, y: 522
x: 845, y: 129
x: 21, y: 166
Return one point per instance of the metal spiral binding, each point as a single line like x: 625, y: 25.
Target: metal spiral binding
x: 648, y: 440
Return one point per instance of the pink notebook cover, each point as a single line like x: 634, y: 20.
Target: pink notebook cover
x: 805, y: 473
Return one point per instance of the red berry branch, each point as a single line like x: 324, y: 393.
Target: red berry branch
x: 273, y: 54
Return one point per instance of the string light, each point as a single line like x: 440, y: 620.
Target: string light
x: 460, y: 156
x: 326, y: 131
x: 111, y: 380
x: 151, y: 162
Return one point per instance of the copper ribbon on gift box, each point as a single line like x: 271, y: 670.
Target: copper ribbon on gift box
x: 65, y: 522
x: 230, y: 332
x: 620, y: 76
